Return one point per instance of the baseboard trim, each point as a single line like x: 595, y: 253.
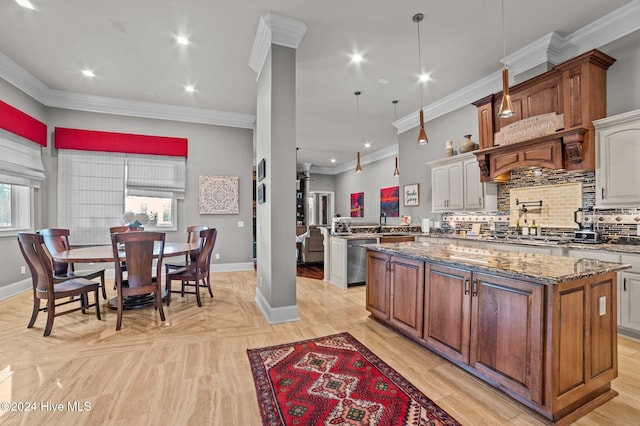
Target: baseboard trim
x: 277, y: 315
x: 13, y: 289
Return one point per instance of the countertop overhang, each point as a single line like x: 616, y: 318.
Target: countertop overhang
x: 542, y: 268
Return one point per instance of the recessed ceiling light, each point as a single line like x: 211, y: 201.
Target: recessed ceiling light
x: 383, y: 81
x: 424, y: 77
x: 333, y: 160
x: 356, y: 58
x: 26, y: 3
x: 190, y: 88
x: 88, y: 73
x: 182, y: 40
x: 367, y: 144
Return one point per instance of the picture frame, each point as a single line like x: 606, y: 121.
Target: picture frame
x: 261, y: 193
x: 261, y: 170
x: 411, y: 194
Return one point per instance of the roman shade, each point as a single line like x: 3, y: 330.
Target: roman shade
x: 20, y: 160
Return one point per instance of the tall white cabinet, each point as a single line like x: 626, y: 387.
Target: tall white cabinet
x: 455, y: 185
x: 617, y: 159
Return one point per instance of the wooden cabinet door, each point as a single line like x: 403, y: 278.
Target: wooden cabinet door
x: 507, y: 332
x: 338, y: 261
x: 447, y: 305
x: 456, y: 187
x: 617, y: 171
x: 406, y: 296
x: 473, y: 188
x: 440, y: 188
x: 629, y: 305
x: 378, y: 284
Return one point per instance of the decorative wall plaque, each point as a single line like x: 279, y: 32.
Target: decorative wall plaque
x: 529, y: 128
x: 218, y: 195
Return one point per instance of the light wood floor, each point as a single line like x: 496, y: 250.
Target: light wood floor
x: 193, y: 369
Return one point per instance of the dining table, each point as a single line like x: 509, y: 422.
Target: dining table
x: 104, y: 253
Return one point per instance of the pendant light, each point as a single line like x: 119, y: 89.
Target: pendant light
x: 422, y: 137
x: 358, y: 167
x: 396, y: 172
x: 506, y: 107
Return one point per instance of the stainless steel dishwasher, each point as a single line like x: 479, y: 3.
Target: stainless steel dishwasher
x: 357, y: 261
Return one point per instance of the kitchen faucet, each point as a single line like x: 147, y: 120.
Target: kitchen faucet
x: 382, y: 214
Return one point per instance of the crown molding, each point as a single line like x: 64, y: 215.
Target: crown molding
x: 274, y: 29
x: 381, y: 154
x: 553, y: 48
x: 101, y: 104
x: 458, y: 99
x: 23, y: 80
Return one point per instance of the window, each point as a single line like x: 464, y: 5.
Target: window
x: 21, y: 172
x: 95, y: 188
x: 160, y: 210
x: 15, y: 207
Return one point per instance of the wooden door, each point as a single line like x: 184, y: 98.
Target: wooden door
x: 507, y: 333
x: 378, y: 284
x: 406, y: 296
x: 447, y: 311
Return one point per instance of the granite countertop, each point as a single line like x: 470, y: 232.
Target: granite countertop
x: 542, y: 268
x: 619, y: 248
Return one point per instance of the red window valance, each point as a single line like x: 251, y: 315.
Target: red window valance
x: 21, y: 124
x: 93, y: 140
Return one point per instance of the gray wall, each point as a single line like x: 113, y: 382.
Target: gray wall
x: 213, y: 150
x: 623, y: 94
x: 412, y: 161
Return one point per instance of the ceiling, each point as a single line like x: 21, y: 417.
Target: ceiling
x: 130, y: 46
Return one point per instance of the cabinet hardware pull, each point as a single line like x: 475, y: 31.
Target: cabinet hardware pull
x: 624, y: 285
x: 480, y: 201
x: 474, y: 291
x: 602, y: 191
x: 466, y: 286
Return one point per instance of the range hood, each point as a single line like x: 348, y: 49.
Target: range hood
x: 573, y: 92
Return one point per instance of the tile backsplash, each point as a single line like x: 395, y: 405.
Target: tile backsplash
x: 562, y: 193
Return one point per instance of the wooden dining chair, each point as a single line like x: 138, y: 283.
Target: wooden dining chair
x: 76, y: 289
x: 141, y: 280
x: 197, y: 271
x: 57, y: 240
x: 193, y: 236
x: 123, y: 228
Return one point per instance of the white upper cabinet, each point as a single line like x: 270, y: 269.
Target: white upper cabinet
x: 618, y: 160
x: 455, y: 185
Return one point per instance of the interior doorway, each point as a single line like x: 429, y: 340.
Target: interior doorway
x: 321, y: 207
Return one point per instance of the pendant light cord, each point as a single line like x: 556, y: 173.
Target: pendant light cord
x: 504, y: 40
x: 357, y: 121
x: 420, y: 64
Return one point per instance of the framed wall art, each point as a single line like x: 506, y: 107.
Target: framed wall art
x: 261, y: 170
x: 411, y: 194
x: 261, y: 193
x: 390, y: 201
x: 357, y: 204
x: 218, y: 195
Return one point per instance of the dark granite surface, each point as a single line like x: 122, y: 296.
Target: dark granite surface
x: 543, y: 268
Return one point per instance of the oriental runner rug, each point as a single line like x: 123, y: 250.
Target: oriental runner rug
x: 336, y: 380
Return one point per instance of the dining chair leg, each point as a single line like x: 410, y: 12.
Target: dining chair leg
x: 208, y: 283
x: 168, y: 288
x: 197, y: 281
x: 119, y: 315
x: 104, y: 290
x: 34, y: 314
x: 97, y: 299
x: 51, y: 314
x: 158, y: 302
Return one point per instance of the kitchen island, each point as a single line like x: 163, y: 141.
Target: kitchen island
x: 540, y: 328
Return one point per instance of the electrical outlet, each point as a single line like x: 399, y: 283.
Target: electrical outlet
x: 240, y: 224
x: 23, y: 270
x: 217, y: 256
x: 603, y: 305
x: 260, y: 282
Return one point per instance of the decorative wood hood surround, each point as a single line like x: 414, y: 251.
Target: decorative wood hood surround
x: 577, y: 89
